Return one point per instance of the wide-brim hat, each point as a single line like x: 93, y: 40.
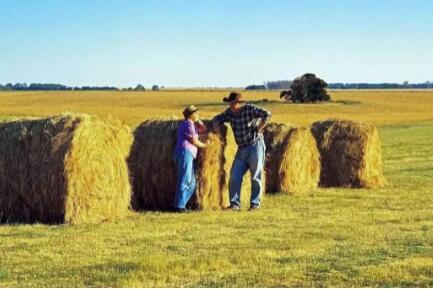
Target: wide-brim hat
x: 189, y: 110
x: 233, y: 97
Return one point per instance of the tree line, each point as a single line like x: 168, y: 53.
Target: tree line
x: 286, y: 84
x: 55, y: 86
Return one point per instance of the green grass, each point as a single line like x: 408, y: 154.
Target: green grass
x: 329, y: 237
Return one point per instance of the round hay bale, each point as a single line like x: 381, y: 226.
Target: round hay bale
x: 153, y: 169
x: 350, y: 153
x: 64, y: 169
x: 292, y: 159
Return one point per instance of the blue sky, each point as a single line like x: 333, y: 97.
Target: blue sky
x: 214, y: 43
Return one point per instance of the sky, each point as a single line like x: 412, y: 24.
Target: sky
x: 214, y: 43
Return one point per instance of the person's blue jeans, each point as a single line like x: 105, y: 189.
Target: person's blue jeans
x: 250, y: 157
x: 186, y: 183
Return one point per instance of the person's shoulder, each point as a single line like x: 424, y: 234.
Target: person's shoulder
x: 250, y: 106
x: 227, y: 111
x: 183, y: 124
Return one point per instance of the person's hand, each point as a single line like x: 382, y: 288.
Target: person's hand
x: 260, y: 128
x: 207, y: 143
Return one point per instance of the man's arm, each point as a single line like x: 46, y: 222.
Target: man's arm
x: 263, y: 114
x: 220, y: 119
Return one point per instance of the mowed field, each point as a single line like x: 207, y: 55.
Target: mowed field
x: 327, y: 237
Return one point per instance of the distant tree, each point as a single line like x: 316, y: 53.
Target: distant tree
x: 309, y: 88
x: 8, y: 86
x: 155, y: 87
x: 20, y: 86
x: 140, y: 87
x: 279, y: 84
x: 255, y: 87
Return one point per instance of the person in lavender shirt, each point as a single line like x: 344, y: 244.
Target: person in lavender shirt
x: 186, y: 151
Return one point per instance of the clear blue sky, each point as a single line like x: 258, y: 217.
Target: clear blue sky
x: 214, y: 42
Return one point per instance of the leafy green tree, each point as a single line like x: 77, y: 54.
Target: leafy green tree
x: 140, y: 87
x: 308, y: 88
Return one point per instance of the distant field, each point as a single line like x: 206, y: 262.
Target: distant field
x: 379, y: 107
x: 327, y: 237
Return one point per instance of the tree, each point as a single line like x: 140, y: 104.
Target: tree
x: 308, y: 88
x: 155, y: 87
x: 139, y: 87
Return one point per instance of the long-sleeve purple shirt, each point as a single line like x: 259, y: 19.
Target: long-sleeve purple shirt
x: 186, y: 132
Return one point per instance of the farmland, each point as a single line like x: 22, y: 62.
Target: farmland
x: 378, y: 107
x: 327, y: 237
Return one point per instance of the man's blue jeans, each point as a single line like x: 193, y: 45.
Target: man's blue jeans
x: 250, y: 157
x: 186, y: 182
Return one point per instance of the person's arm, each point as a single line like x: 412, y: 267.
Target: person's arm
x: 201, y: 127
x: 192, y: 136
x: 200, y: 144
x: 220, y: 119
x: 263, y: 114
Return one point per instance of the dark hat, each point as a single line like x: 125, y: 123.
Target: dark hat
x: 189, y: 110
x: 233, y: 97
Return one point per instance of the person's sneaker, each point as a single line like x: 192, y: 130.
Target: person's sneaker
x: 232, y: 208
x: 254, y: 208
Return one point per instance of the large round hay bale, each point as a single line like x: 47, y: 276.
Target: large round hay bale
x: 64, y: 169
x: 154, y: 174
x: 292, y: 159
x: 350, y: 153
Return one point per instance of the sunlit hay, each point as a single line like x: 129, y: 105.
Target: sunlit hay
x: 64, y: 169
x: 292, y: 159
x: 154, y: 171
x: 350, y: 153
x: 299, y: 171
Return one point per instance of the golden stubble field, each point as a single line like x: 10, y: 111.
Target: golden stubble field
x: 328, y: 237
x: 379, y: 107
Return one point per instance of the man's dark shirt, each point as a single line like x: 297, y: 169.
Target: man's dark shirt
x: 245, y: 122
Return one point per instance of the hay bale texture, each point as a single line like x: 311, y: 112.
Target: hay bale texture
x: 292, y: 159
x: 350, y: 153
x: 154, y: 172
x: 64, y: 169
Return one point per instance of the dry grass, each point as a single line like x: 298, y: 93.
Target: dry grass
x: 64, y: 169
x: 351, y: 153
x: 377, y: 107
x: 331, y: 237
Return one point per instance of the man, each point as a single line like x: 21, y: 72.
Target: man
x: 247, y: 122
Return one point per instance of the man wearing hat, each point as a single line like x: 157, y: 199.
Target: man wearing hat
x: 247, y: 122
x: 184, y: 155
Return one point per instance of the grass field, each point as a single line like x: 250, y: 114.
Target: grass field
x: 328, y: 237
x: 379, y: 107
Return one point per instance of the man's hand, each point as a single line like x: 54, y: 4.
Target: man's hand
x: 261, y: 126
